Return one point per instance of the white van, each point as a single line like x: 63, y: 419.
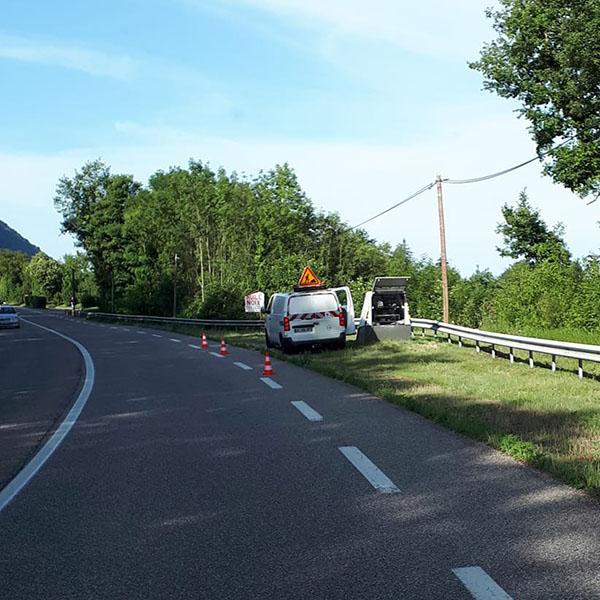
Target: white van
x: 309, y: 318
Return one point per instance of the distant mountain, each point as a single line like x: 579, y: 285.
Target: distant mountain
x: 11, y: 240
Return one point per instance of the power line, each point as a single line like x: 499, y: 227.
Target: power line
x: 387, y: 210
x: 492, y: 175
x: 509, y: 170
x: 463, y: 182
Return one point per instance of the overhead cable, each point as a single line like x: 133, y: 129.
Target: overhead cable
x: 509, y: 170
x: 387, y: 210
x: 492, y: 175
x: 540, y: 156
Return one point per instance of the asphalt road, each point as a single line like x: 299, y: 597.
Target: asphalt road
x: 40, y: 373
x: 187, y: 476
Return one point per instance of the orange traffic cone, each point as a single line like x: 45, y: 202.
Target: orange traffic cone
x: 268, y: 370
x: 223, y: 350
x: 204, y: 344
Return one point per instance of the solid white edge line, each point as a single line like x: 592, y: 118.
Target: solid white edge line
x: 377, y: 478
x: 272, y: 384
x: 243, y: 366
x: 308, y: 411
x: 216, y: 354
x: 45, y: 452
x: 479, y: 584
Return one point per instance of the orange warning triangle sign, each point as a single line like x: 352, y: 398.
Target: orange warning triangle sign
x: 308, y: 278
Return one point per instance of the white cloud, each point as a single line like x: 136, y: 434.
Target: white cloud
x: 355, y: 180
x: 70, y: 57
x: 427, y: 27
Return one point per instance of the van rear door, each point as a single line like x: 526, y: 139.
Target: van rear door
x: 314, y: 317
x: 345, y: 297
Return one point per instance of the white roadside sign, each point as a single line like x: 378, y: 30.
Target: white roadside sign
x: 254, y: 302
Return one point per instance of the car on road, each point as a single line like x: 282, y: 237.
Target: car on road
x: 8, y: 316
x: 305, y: 319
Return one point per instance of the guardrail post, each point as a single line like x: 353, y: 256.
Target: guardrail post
x: 477, y: 346
x: 580, y: 368
x: 449, y: 339
x: 493, y: 351
x: 554, y: 363
x: 459, y: 342
x: 531, y: 365
x: 511, y: 355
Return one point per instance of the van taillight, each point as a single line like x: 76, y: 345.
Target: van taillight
x: 342, y: 320
x: 286, y: 323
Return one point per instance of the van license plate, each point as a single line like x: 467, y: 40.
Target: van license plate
x: 303, y: 329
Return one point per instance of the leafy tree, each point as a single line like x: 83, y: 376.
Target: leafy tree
x: 546, y: 57
x: 45, y: 276
x: 469, y: 298
x: 12, y: 276
x: 77, y: 269
x: 93, y: 205
x: 526, y: 236
x: 75, y: 198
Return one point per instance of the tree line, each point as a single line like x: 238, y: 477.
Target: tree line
x: 234, y: 235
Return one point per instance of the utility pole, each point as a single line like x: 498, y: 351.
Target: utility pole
x: 73, y: 292
x: 112, y: 290
x: 176, y: 258
x: 440, y: 200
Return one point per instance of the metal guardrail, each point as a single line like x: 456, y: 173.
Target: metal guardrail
x: 553, y: 348
x: 226, y: 323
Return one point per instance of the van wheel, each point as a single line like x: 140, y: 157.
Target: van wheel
x: 286, y: 345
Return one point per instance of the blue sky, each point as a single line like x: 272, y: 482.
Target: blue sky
x: 367, y: 101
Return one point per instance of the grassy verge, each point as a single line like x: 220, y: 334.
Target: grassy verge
x: 548, y: 420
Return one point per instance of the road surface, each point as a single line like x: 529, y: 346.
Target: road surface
x: 186, y: 475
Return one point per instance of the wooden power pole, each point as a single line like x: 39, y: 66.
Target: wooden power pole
x: 443, y: 250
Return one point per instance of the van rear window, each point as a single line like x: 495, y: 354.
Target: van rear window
x: 310, y: 303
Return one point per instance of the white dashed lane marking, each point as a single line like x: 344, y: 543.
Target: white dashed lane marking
x: 142, y: 332
x: 156, y: 335
x: 272, y: 384
x: 217, y: 355
x: 480, y: 585
x: 194, y: 346
x: 243, y: 366
x: 377, y: 478
x: 175, y: 340
x: 310, y: 413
